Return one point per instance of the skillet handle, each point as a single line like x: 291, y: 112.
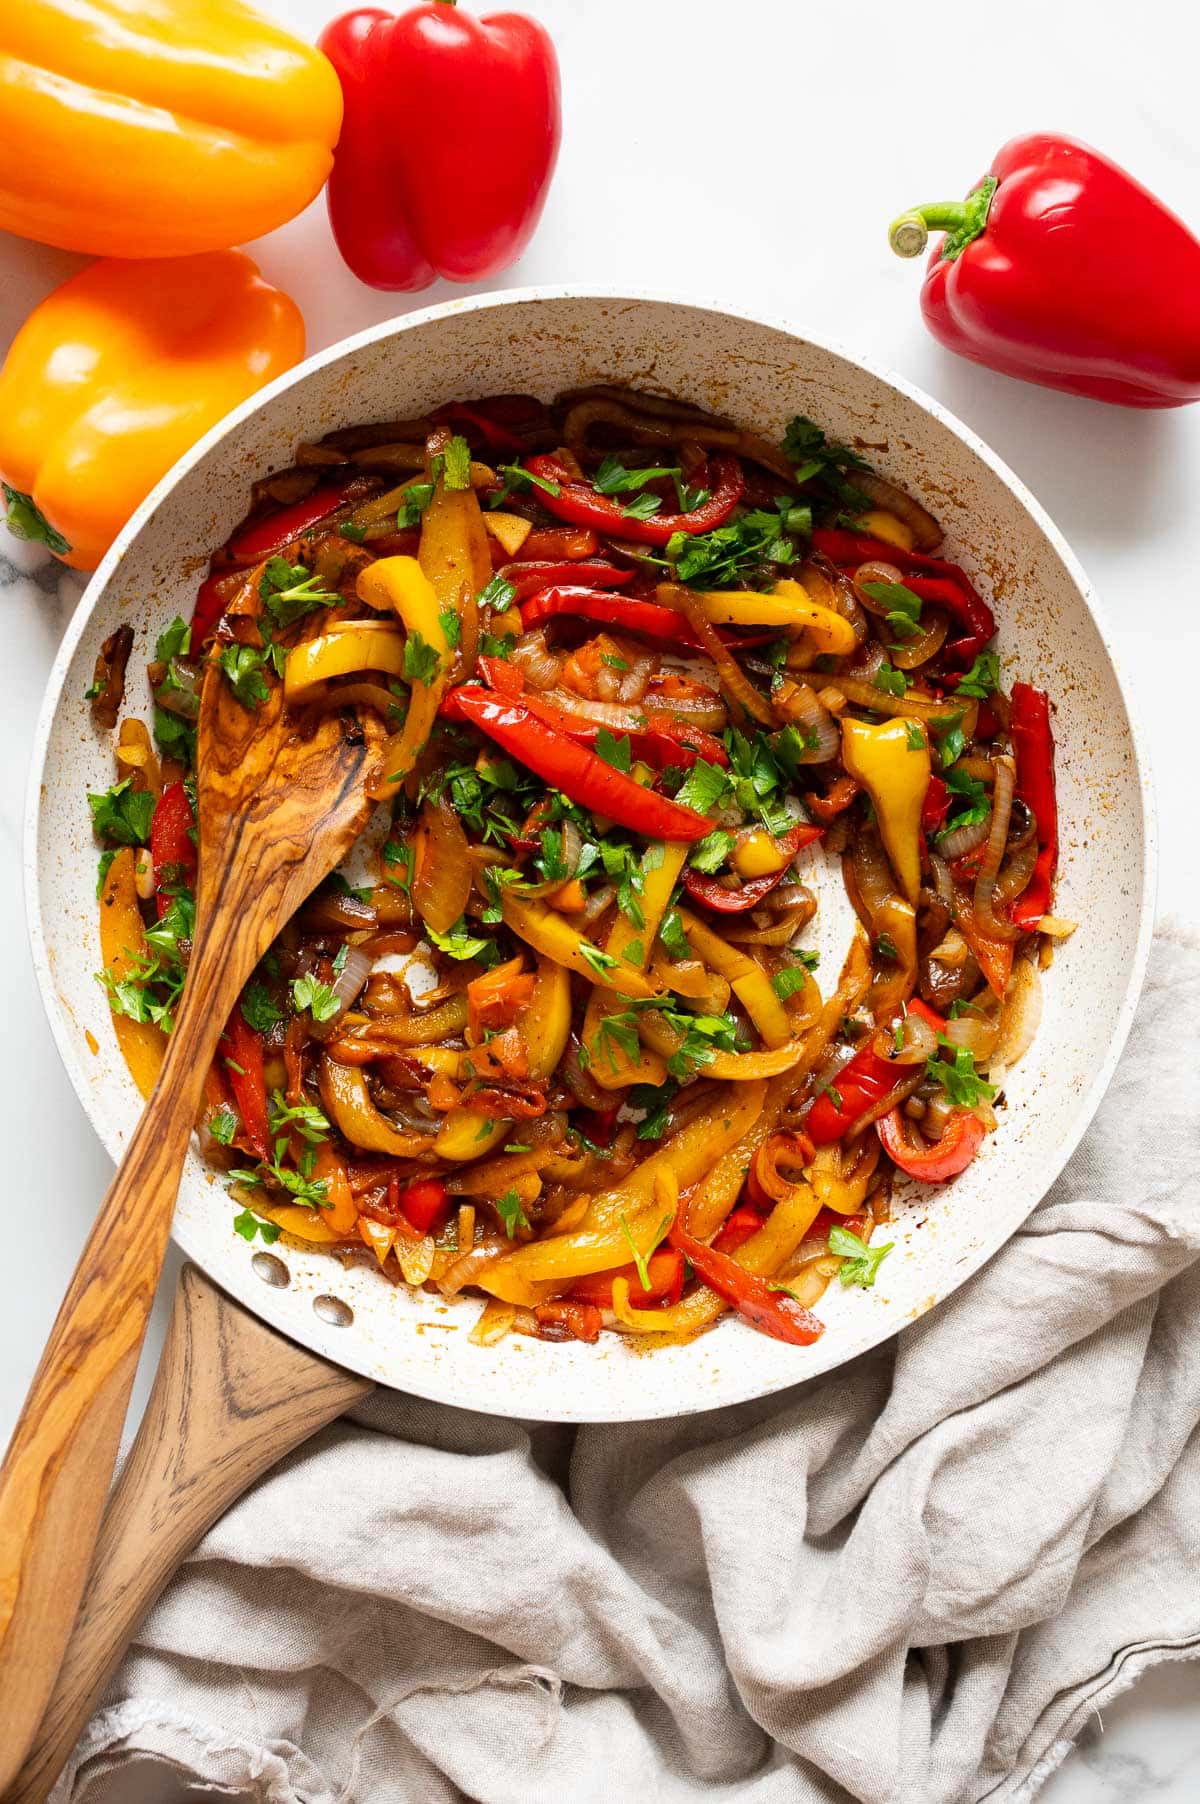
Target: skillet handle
x: 231, y: 1398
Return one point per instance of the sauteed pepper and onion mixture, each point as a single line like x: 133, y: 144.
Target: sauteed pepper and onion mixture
x: 554, y: 1037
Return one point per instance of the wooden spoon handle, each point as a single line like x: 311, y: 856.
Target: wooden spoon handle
x: 231, y: 1398
x: 59, y: 1463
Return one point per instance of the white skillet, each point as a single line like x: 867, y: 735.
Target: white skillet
x: 545, y: 340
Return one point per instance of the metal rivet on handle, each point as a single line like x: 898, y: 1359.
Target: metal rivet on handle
x: 333, y: 1311
x: 271, y: 1270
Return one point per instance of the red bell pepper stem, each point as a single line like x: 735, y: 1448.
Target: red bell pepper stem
x: 712, y: 892
x: 579, y: 503
x: 1033, y: 748
x: 528, y: 578
x: 866, y: 1080
x: 425, y: 1204
x: 1005, y: 287
x: 962, y: 1138
x: 578, y: 772
x: 265, y: 537
x: 770, y: 1310
x: 172, y: 848
x: 241, y: 1047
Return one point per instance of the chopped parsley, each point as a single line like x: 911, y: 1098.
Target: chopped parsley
x: 983, y: 678
x: 641, y: 1259
x: 889, y: 681
x: 656, y: 1099
x: 814, y: 455
x: 309, y: 1192
x: 174, y: 642
x: 123, y: 814
x: 460, y: 942
x: 672, y: 936
x: 976, y: 804
x: 223, y: 1124
x: 304, y: 1117
x: 710, y: 853
x: 612, y: 478
x: 420, y: 660
x: 456, y: 464
x: 958, y: 1076
x: 508, y: 1208
x: 902, y: 607
x: 731, y: 554
x: 915, y: 736
x: 258, y: 1009
x: 318, y: 998
x: 860, y: 1262
x: 247, y: 1224
x: 617, y: 752
x: 791, y: 979
x: 600, y: 962
x: 415, y: 500
x: 451, y: 625
x: 950, y: 737
x: 498, y: 594
x: 519, y: 480
x: 243, y: 667
x: 704, y: 786
x: 289, y: 591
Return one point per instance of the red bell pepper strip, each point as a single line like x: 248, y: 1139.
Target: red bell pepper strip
x: 664, y: 1268
x: 938, y: 581
x: 645, y: 617
x: 578, y: 772
x: 579, y: 503
x: 961, y: 1140
x: 264, y: 537
x: 1033, y: 747
x: 449, y: 140
x: 936, y: 806
x: 241, y: 1048
x: 425, y: 1204
x: 1061, y: 269
x: 172, y: 848
x: 737, y: 1229
x: 866, y: 1080
x: 212, y: 598
x: 712, y: 892
x: 528, y: 578
x: 771, y: 1310
x: 664, y: 740
x: 492, y: 431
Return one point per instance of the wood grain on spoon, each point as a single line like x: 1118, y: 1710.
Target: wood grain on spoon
x: 278, y: 808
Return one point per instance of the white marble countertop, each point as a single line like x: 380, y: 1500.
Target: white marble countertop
x: 755, y: 157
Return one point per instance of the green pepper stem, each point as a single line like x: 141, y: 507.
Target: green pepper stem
x: 909, y: 234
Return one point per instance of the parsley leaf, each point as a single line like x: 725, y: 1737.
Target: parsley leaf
x: 950, y: 737
x: 508, y: 1208
x: 456, y: 469
x: 792, y: 978
x: 672, y: 935
x: 978, y: 804
x: 123, y: 814
x: 600, y: 962
x: 413, y: 502
x: 612, y: 478
x: 243, y: 667
x: 860, y: 1262
x: 704, y: 786
x: 318, y: 998
x: 640, y: 1259
x: 724, y: 558
x: 815, y: 455
x: 421, y: 661
x: 914, y: 736
x: 309, y: 1192
x: 175, y: 737
x: 498, y: 594
x: 258, y: 1010
x: 519, y: 479
x: 451, y: 625
x: 305, y: 1117
x: 902, y: 607
x: 289, y: 591
x: 617, y: 752
x: 644, y: 507
x: 710, y: 853
x: 958, y: 1076
x: 175, y: 642
x: 656, y: 1099
x: 459, y: 942
x: 982, y: 679
x: 247, y: 1224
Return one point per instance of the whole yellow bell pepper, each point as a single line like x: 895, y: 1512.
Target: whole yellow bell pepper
x: 119, y: 372
x: 891, y: 761
x: 158, y: 131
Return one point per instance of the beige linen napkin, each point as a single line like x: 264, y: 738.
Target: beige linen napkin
x: 907, y: 1582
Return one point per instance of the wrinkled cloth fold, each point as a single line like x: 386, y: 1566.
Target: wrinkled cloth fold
x: 909, y: 1581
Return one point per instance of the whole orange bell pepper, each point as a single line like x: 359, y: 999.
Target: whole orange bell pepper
x: 116, y: 374
x: 158, y: 131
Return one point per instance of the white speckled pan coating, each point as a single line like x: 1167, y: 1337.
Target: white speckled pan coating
x: 546, y: 340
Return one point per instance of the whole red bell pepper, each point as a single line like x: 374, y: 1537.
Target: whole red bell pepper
x: 939, y: 581
x: 1033, y: 748
x: 714, y: 894
x: 580, y: 503
x: 449, y: 140
x: 573, y: 768
x: 961, y: 1140
x: 1060, y: 268
x: 866, y: 1080
x: 771, y: 1310
x: 241, y: 1048
x: 172, y: 848
x: 265, y: 536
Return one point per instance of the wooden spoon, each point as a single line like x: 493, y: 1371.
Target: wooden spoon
x: 278, y: 808
x: 230, y: 1399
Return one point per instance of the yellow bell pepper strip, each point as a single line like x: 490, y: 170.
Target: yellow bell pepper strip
x: 358, y: 645
x: 158, y: 131
x: 747, y: 979
x: 401, y: 583
x: 600, y: 1244
x: 786, y: 605
x: 454, y: 550
x: 124, y: 949
x: 117, y: 373
x: 880, y: 525
x: 545, y: 1028
x: 895, y: 923
x: 346, y: 1100
x: 612, y: 1066
x: 548, y: 933
x: 891, y: 761
x: 730, y: 1067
